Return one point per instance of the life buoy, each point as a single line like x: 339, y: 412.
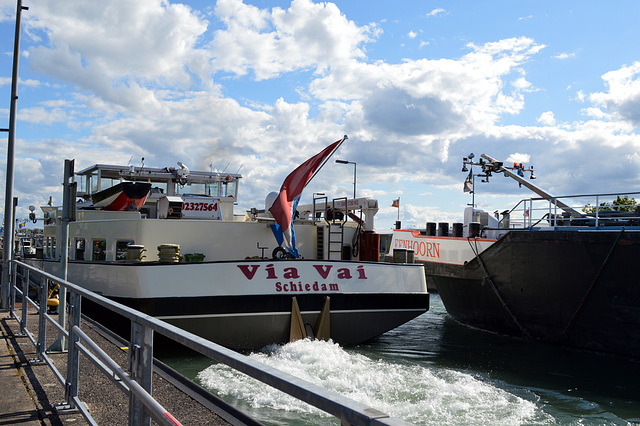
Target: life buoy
x: 279, y: 253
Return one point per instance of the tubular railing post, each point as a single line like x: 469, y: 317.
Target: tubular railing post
x: 3, y: 284
x: 12, y: 289
x: 73, y: 354
x: 43, y: 293
x: 141, y: 370
x: 597, y: 209
x: 25, y: 295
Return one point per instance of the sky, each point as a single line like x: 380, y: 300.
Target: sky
x: 259, y: 86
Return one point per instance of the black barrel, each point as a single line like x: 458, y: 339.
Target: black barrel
x: 443, y: 229
x: 474, y: 229
x: 431, y: 228
x: 457, y: 229
x: 410, y: 256
x: 399, y: 256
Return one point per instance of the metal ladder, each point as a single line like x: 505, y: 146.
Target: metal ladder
x: 320, y: 205
x: 336, y: 221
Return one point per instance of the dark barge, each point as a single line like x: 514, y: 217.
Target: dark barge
x: 559, y: 274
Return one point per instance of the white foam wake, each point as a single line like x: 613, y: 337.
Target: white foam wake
x: 414, y: 393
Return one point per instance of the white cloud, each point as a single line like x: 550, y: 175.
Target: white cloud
x: 7, y: 11
x: 565, y: 56
x: 116, y: 41
x: 305, y: 36
x: 596, y: 113
x: 412, y: 34
x: 517, y: 157
x: 623, y: 96
x: 547, y: 119
x: 155, y: 79
x: 436, y: 12
x: 43, y: 115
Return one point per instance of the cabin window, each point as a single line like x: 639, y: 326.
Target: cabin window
x: 99, y: 250
x: 213, y: 189
x: 121, y: 249
x: 192, y: 188
x: 83, y: 184
x: 108, y: 183
x: 79, y: 248
x: 94, y: 182
x: 231, y: 189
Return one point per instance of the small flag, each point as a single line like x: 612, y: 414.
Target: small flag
x: 396, y: 203
x: 468, y: 183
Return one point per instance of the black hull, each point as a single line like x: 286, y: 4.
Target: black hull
x: 252, y: 322
x: 576, y: 288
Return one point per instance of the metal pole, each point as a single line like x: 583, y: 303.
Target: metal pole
x: 73, y: 356
x: 140, y: 370
x: 60, y: 345
x: 354, y: 180
x: 473, y: 192
x: 8, y: 200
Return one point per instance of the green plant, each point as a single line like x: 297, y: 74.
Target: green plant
x: 620, y: 204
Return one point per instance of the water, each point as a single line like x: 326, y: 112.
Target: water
x: 435, y: 371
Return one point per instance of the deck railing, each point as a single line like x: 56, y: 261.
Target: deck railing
x: 136, y: 382
x: 542, y: 212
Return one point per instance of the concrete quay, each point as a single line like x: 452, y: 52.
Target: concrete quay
x: 31, y: 390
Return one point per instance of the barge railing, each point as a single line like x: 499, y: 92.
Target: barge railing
x: 137, y: 381
x: 539, y: 210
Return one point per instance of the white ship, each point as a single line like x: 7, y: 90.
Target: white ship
x: 185, y: 257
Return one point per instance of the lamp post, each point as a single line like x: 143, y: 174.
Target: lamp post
x: 354, y: 173
x: 9, y: 199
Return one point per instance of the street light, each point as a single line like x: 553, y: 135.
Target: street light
x: 354, y: 174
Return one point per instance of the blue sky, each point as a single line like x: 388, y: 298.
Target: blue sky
x: 262, y: 85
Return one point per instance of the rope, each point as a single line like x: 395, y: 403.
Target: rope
x: 524, y: 331
x: 355, y: 242
x: 593, y: 283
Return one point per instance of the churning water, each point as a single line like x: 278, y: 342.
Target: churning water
x: 435, y: 371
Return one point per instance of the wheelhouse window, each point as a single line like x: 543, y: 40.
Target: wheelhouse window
x: 93, y: 181
x: 230, y: 189
x: 99, y: 250
x: 214, y: 189
x: 121, y: 249
x: 108, y: 183
x: 80, y: 248
x: 191, y: 188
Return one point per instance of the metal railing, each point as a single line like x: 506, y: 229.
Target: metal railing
x: 532, y: 212
x: 136, y: 382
